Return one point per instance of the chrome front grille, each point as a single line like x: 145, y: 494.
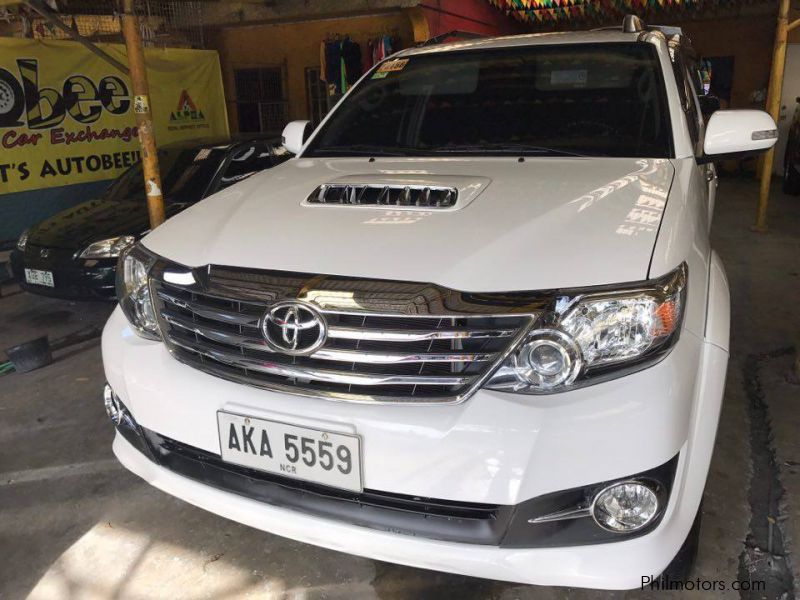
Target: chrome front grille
x: 404, y: 356
x: 385, y: 195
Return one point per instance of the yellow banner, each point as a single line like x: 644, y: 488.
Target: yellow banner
x: 67, y: 116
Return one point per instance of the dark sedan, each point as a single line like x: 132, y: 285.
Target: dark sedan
x: 73, y: 254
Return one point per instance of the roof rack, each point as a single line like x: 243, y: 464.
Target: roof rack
x: 632, y: 24
x: 456, y: 33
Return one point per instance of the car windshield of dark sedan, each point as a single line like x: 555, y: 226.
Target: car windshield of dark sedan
x: 586, y: 99
x: 185, y: 175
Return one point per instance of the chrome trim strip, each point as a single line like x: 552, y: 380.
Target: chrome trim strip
x: 415, y: 335
x: 563, y: 515
x: 364, y: 398
x: 351, y: 356
x: 305, y: 373
x: 392, y: 358
x: 209, y: 312
x: 216, y: 335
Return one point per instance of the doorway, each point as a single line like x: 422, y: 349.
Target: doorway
x: 791, y: 91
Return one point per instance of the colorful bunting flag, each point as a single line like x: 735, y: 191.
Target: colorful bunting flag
x: 553, y: 11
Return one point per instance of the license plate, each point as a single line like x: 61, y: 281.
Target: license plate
x: 314, y: 455
x: 37, y: 277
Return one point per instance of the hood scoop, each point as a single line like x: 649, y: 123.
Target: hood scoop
x: 414, y: 192
x: 386, y: 195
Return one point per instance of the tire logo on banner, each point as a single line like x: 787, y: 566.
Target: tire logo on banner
x: 7, y: 97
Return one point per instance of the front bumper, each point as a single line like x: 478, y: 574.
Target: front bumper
x: 73, y: 279
x: 495, y: 448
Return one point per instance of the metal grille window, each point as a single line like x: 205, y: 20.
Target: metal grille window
x: 317, y: 96
x: 260, y: 100
x: 163, y: 23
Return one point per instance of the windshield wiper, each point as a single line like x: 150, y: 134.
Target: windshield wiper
x: 508, y: 148
x: 362, y: 150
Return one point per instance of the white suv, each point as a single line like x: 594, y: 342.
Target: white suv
x: 476, y: 324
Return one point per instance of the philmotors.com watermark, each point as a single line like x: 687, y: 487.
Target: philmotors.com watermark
x: 664, y: 583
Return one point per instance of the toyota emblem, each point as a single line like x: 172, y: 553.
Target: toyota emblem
x: 294, y: 328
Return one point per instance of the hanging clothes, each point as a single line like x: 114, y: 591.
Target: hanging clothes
x: 387, y: 46
x: 351, y: 63
x: 333, y: 67
x: 378, y: 48
x: 368, y: 56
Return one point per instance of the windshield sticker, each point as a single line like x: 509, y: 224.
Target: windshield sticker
x: 203, y: 154
x: 390, y: 66
x: 576, y: 77
x: 398, y: 64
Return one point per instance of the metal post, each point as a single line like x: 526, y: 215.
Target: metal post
x: 144, y: 118
x: 773, y: 108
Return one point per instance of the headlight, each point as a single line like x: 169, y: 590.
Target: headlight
x: 23, y: 240
x: 110, y: 248
x: 596, y: 336
x: 133, y: 291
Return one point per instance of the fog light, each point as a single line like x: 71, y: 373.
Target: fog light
x: 113, y: 408
x: 625, y: 507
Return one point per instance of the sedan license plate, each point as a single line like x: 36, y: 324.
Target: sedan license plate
x: 37, y: 277
x: 314, y: 455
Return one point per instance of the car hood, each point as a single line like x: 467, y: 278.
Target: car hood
x: 90, y: 221
x: 530, y: 224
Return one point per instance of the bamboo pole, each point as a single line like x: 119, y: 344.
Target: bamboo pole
x: 773, y: 108
x: 144, y: 117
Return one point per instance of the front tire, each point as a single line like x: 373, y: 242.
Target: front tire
x: 791, y: 179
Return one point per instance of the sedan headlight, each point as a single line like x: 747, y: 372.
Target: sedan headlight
x: 23, y: 240
x: 110, y: 248
x: 595, y: 336
x: 133, y: 291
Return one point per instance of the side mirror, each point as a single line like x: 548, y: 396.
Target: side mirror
x: 294, y: 135
x: 739, y: 133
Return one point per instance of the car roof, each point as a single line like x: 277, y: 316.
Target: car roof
x: 528, y: 39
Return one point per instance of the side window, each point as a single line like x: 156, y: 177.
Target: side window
x: 244, y: 162
x: 691, y: 108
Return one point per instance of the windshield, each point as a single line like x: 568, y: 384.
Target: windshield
x: 185, y: 175
x: 584, y: 99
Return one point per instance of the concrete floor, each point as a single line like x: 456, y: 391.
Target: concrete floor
x: 74, y: 524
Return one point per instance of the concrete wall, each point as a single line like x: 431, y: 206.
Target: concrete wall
x: 749, y: 40
x: 476, y: 16
x: 295, y: 46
